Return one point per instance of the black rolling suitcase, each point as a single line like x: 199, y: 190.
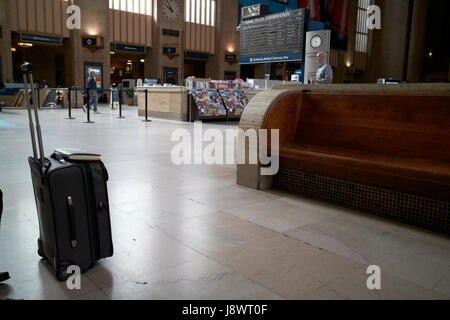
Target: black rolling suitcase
x: 72, y: 204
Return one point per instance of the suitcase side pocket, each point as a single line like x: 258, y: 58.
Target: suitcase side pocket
x: 101, y: 214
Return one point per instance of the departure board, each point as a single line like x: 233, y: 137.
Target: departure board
x: 273, y: 38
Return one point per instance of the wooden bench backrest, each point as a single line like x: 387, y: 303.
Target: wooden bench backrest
x: 415, y: 126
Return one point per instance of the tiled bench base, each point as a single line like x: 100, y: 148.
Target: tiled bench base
x: 426, y: 213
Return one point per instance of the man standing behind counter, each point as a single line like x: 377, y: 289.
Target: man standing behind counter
x: 324, y: 74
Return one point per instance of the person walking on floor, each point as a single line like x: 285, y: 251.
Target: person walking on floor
x: 91, y: 86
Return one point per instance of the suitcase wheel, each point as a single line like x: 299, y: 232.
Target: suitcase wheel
x: 40, y: 251
x: 61, y: 273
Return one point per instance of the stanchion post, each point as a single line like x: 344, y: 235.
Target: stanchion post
x: 88, y: 108
x: 146, y: 107
x: 38, y: 97
x: 70, y: 106
x: 120, y: 106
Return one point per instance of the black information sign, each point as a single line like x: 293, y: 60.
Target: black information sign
x: 274, y: 38
x: 171, y: 33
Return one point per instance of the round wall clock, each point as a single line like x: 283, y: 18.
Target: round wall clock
x: 316, y: 42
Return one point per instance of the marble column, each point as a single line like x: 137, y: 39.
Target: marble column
x: 5, y: 41
x: 417, y: 41
x: 389, y: 45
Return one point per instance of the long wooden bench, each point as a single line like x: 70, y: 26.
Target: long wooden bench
x: 392, y: 141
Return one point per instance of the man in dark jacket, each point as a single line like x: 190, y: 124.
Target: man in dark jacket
x: 3, y: 275
x: 91, y: 86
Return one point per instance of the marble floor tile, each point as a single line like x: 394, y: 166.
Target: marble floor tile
x: 364, y: 243
x: 226, y: 198
x: 278, y: 214
x: 196, y: 280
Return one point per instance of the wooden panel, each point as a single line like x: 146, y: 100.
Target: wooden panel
x: 203, y: 38
x: 22, y: 18
x: 213, y: 40
x: 149, y: 30
x: 41, y: 16
x: 111, y: 23
x: 188, y: 36
x: 13, y: 8
x: 57, y: 19
x: 130, y: 27
x: 208, y: 38
x: 117, y: 23
x: 198, y: 39
x: 136, y: 28
x: 61, y: 18
x: 49, y: 17
x: 123, y: 26
x: 142, y: 31
x: 31, y: 11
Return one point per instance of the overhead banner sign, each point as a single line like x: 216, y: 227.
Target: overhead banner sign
x: 271, y: 58
x: 274, y: 38
x: 40, y: 39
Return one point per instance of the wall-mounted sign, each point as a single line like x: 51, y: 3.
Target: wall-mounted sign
x: 274, y: 38
x: 92, y: 43
x: 171, y: 51
x: 197, y: 55
x: 170, y: 75
x: 231, y: 57
x: 40, y: 39
x: 98, y: 70
x: 130, y: 48
x: 171, y: 33
x: 256, y: 11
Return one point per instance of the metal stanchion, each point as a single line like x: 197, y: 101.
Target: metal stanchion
x: 146, y: 107
x: 76, y: 99
x: 39, y: 97
x: 88, y: 109
x: 70, y: 106
x: 190, y: 106
x: 120, y: 106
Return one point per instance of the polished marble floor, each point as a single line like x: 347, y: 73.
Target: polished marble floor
x: 189, y: 232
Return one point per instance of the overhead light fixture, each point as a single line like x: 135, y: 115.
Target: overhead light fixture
x: 142, y: 60
x: 25, y: 44
x: 13, y: 49
x: 430, y: 54
x: 112, y: 52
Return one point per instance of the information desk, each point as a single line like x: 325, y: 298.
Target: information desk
x: 164, y: 102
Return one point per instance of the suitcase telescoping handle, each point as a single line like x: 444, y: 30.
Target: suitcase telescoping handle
x: 27, y: 71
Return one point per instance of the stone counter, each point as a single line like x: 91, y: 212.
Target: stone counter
x: 419, y: 88
x: 164, y: 103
